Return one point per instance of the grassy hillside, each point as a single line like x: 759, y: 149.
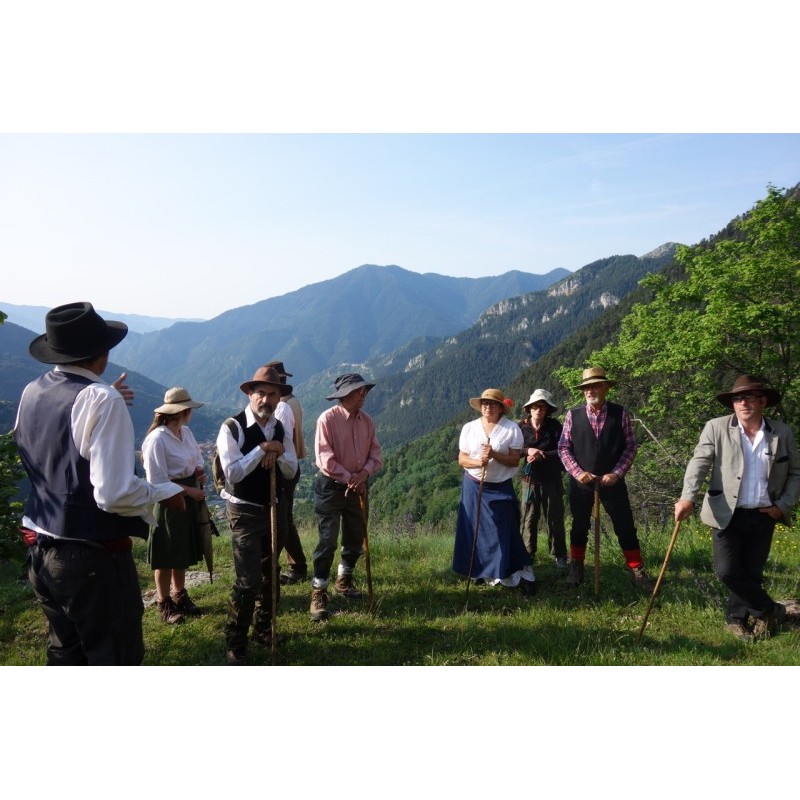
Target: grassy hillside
x: 420, y: 619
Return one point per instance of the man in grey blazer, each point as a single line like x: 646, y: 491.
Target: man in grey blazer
x: 755, y: 481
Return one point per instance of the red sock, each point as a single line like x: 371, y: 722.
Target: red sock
x: 577, y: 552
x: 633, y: 558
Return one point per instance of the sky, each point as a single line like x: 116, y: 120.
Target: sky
x: 190, y: 225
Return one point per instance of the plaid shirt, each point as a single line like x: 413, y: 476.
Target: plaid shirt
x: 597, y: 420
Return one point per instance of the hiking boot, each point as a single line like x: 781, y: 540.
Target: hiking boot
x: 738, y: 627
x: 292, y: 575
x: 766, y: 626
x: 236, y: 657
x: 185, y: 605
x: 574, y: 574
x: 344, y: 586
x: 169, y: 612
x: 561, y: 563
x: 319, y: 605
x: 641, y: 579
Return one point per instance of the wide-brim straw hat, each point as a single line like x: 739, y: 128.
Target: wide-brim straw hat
x: 176, y: 399
x: 749, y: 384
x: 270, y: 376
x: 541, y: 396
x: 495, y: 395
x: 75, y: 332
x: 593, y: 375
x: 345, y: 384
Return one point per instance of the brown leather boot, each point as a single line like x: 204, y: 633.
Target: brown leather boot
x: 168, y: 611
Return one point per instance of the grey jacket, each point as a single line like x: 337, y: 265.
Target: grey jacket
x: 720, y: 451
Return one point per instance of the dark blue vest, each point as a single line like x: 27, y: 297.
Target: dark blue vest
x: 61, y: 500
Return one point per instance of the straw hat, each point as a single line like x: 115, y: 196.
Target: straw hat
x: 593, y: 375
x: 495, y: 395
x: 176, y: 400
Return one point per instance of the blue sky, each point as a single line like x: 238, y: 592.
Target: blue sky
x: 192, y: 225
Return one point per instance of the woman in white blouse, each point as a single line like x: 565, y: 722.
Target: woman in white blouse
x: 170, y: 452
x: 492, y: 443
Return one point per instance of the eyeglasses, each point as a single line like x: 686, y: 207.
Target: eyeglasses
x: 740, y: 398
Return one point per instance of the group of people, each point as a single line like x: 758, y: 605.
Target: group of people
x: 496, y: 538
x: 76, y: 441
x: 86, y: 503
x: 752, y: 463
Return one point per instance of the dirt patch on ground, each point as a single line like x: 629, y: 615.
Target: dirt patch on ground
x: 193, y: 578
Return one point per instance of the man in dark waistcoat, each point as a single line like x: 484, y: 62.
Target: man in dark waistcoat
x: 76, y: 441
x: 250, y: 447
x: 598, y: 445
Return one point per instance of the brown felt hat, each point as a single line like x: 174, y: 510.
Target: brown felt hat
x: 267, y: 375
x: 750, y: 384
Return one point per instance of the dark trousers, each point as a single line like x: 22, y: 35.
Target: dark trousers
x: 335, y: 510
x: 543, y: 500
x: 740, y: 554
x: 251, y: 596
x: 295, y: 556
x: 614, y: 500
x: 93, y: 603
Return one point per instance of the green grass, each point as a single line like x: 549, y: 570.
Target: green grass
x: 420, y: 616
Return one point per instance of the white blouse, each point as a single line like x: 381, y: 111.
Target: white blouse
x: 506, y: 436
x: 167, y: 457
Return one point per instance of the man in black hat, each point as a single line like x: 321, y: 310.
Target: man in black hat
x: 251, y: 446
x: 755, y: 482
x: 347, y: 453
x: 76, y: 441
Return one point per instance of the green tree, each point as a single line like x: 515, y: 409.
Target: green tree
x: 11, y: 473
x: 736, y: 311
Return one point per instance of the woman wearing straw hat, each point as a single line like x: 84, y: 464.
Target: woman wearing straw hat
x: 170, y: 452
x: 489, y: 451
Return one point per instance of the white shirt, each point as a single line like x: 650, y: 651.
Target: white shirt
x: 284, y: 413
x: 169, y: 457
x: 753, y: 488
x: 237, y: 466
x: 103, y: 433
x: 299, y: 438
x: 506, y: 436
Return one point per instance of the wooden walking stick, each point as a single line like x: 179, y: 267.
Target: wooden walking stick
x: 672, y: 541
x: 475, y: 534
x: 597, y: 537
x: 363, y: 504
x: 273, y: 526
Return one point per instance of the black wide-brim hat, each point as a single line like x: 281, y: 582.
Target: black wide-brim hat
x: 74, y: 332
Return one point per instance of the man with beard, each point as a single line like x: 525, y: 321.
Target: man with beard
x: 250, y: 446
x: 597, y: 448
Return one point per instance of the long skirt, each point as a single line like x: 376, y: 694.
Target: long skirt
x: 499, y: 552
x: 175, y: 542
